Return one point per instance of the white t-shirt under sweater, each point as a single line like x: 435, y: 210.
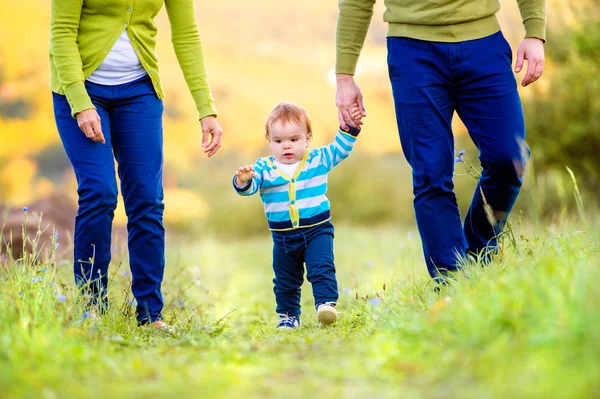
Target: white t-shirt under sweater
x: 120, y: 66
x: 289, y: 169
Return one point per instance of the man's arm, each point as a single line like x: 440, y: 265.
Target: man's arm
x: 533, y: 13
x: 353, y: 23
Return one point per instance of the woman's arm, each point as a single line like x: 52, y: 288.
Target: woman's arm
x: 190, y: 53
x: 64, y: 26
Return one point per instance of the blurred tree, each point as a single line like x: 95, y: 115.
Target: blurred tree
x: 19, y: 109
x: 563, y: 125
x: 12, y: 106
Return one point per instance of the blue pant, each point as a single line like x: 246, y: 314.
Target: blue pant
x: 291, y: 250
x: 431, y: 80
x: 131, y: 117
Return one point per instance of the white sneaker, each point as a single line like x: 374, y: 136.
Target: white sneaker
x: 288, y: 322
x: 160, y: 325
x: 326, y: 313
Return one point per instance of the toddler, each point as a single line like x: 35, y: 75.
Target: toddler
x: 292, y: 184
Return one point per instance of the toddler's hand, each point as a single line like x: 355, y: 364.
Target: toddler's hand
x: 244, y: 174
x: 356, y: 112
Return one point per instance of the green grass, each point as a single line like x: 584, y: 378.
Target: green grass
x: 525, y: 326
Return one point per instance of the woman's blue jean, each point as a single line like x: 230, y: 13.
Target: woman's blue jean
x: 131, y: 117
x: 430, y: 81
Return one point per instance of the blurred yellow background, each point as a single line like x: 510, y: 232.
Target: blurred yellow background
x: 258, y: 53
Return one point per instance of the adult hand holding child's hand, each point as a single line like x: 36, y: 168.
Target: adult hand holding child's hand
x: 357, y: 114
x: 348, y: 96
x: 244, y: 174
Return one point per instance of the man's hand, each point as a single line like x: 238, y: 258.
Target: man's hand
x: 210, y: 127
x: 532, y: 50
x: 244, y: 174
x: 89, y: 123
x: 348, y: 97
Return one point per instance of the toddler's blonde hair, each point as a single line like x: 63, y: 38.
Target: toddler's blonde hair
x: 286, y: 112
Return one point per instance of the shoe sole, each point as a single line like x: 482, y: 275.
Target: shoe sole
x: 327, y: 316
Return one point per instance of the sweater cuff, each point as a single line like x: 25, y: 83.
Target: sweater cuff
x: 352, y: 132
x: 535, y: 27
x: 204, y: 103
x: 346, y: 63
x: 241, y: 189
x: 78, y: 98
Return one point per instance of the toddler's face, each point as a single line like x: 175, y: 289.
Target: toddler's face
x: 288, y: 142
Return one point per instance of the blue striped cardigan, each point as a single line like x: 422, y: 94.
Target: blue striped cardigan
x: 299, y: 201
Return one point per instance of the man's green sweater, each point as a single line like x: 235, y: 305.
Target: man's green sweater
x: 82, y: 33
x: 431, y: 20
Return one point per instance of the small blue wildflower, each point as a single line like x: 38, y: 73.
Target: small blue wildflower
x: 51, y: 283
x: 125, y: 274
x: 34, y: 280
x: 461, y: 153
x: 62, y: 298
x: 55, y: 293
x: 57, y: 245
x: 43, y: 269
x: 130, y: 302
x: 458, y: 159
x: 375, y: 301
x: 25, y: 208
x: 56, y: 236
x: 346, y: 291
x: 180, y: 303
x: 20, y: 293
x: 85, y: 315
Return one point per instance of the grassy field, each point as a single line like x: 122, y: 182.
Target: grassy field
x: 525, y: 326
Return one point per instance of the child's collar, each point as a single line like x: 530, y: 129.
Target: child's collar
x: 271, y: 163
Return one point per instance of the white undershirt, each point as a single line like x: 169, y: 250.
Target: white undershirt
x: 120, y: 66
x: 288, y: 168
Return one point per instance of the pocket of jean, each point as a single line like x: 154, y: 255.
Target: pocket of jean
x: 507, y: 49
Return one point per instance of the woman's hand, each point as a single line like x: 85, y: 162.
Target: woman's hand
x: 89, y: 123
x: 210, y: 127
